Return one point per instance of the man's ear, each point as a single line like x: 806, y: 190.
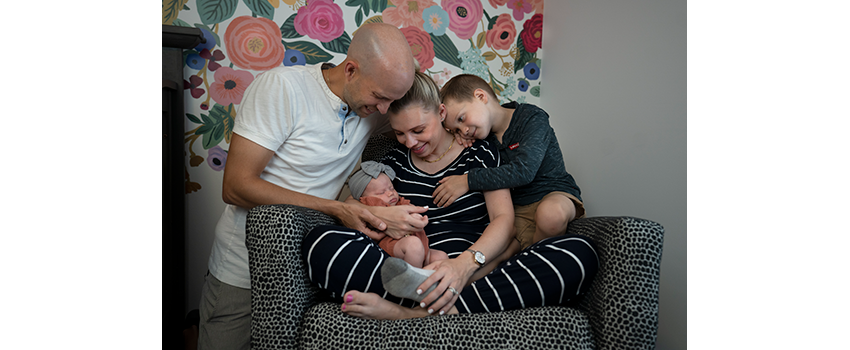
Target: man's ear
x: 350, y: 68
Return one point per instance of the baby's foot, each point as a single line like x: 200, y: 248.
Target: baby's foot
x: 402, y: 280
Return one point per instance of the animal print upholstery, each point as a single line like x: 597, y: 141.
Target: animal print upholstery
x: 620, y: 310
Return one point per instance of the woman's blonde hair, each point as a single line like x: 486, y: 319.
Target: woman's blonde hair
x: 424, y: 92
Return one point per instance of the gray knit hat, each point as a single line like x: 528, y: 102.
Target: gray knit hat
x: 368, y: 170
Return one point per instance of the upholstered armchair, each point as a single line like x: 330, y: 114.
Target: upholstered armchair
x: 619, y: 311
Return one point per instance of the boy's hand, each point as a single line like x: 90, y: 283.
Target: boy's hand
x: 462, y: 141
x: 450, y: 189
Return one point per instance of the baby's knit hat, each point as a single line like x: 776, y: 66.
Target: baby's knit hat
x: 368, y: 170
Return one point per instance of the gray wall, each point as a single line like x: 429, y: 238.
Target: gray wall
x: 615, y: 90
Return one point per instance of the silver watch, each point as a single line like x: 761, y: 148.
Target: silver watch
x: 478, y: 257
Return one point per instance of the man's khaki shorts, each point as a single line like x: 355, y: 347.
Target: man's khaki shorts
x: 524, y: 217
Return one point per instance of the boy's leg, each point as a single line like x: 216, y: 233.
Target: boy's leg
x: 410, y: 250
x: 553, y: 214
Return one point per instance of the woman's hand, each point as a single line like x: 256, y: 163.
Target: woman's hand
x: 455, y: 273
x: 450, y: 189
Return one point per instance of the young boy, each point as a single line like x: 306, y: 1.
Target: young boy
x: 372, y: 185
x: 546, y: 197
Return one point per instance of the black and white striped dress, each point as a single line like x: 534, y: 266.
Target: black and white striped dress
x: 550, y: 272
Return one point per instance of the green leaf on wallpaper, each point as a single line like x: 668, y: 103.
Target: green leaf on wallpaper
x: 524, y: 56
x: 287, y: 29
x: 445, y: 50
x: 261, y: 8
x: 497, y: 88
x: 216, y: 11
x: 535, y: 91
x: 339, y: 45
x: 379, y: 5
x: 313, y: 53
x: 358, y: 17
x: 489, y: 55
x: 358, y: 3
x: 193, y: 118
x: 215, y: 126
x: 180, y: 23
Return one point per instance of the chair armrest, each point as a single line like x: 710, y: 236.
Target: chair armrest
x: 281, y: 292
x: 622, y: 302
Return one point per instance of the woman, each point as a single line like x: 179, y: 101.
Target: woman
x: 478, y: 226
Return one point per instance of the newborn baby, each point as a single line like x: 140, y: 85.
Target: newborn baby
x: 372, y: 185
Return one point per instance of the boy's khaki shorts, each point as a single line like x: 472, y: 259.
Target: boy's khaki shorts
x: 524, y: 217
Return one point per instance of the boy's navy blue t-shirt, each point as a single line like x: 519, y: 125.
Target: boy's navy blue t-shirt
x: 532, y: 163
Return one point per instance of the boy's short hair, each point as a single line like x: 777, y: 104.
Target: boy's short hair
x: 461, y: 87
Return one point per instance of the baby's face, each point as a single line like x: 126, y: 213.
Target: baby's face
x: 382, y: 188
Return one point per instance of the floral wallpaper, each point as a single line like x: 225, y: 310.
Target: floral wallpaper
x: 498, y: 40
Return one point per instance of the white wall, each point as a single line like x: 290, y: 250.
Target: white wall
x: 615, y: 90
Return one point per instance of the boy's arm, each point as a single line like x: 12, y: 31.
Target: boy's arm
x: 526, y: 155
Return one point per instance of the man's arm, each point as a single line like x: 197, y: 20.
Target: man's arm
x: 243, y: 187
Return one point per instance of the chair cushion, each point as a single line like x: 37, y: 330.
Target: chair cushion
x: 327, y: 327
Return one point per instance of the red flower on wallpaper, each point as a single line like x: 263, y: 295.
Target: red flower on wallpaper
x: 406, y: 13
x: 532, y: 33
x: 254, y: 43
x: 421, y: 46
x: 464, y: 16
x: 230, y: 85
x: 320, y: 20
x: 503, y: 33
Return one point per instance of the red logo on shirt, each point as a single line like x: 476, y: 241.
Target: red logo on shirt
x: 514, y: 146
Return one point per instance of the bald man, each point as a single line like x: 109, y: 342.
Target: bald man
x: 299, y: 133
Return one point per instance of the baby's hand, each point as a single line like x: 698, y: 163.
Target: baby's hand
x: 462, y: 141
x: 450, y: 189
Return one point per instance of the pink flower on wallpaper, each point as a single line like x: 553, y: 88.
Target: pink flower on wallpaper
x: 320, y: 20
x: 254, y: 43
x: 464, y: 16
x: 537, y: 5
x: 497, y: 3
x: 532, y: 33
x: 406, y: 13
x: 230, y: 85
x: 420, y: 45
x: 520, y: 7
x: 503, y: 33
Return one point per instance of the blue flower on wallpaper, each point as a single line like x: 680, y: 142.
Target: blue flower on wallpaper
x: 209, y: 45
x: 532, y: 71
x: 294, y: 58
x: 522, y: 85
x: 195, y: 61
x: 510, y: 88
x: 436, y: 20
x: 473, y: 63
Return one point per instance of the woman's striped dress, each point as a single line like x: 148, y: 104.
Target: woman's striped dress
x: 550, y: 272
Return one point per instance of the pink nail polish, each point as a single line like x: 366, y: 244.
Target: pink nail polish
x: 349, y: 298
x: 343, y: 307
